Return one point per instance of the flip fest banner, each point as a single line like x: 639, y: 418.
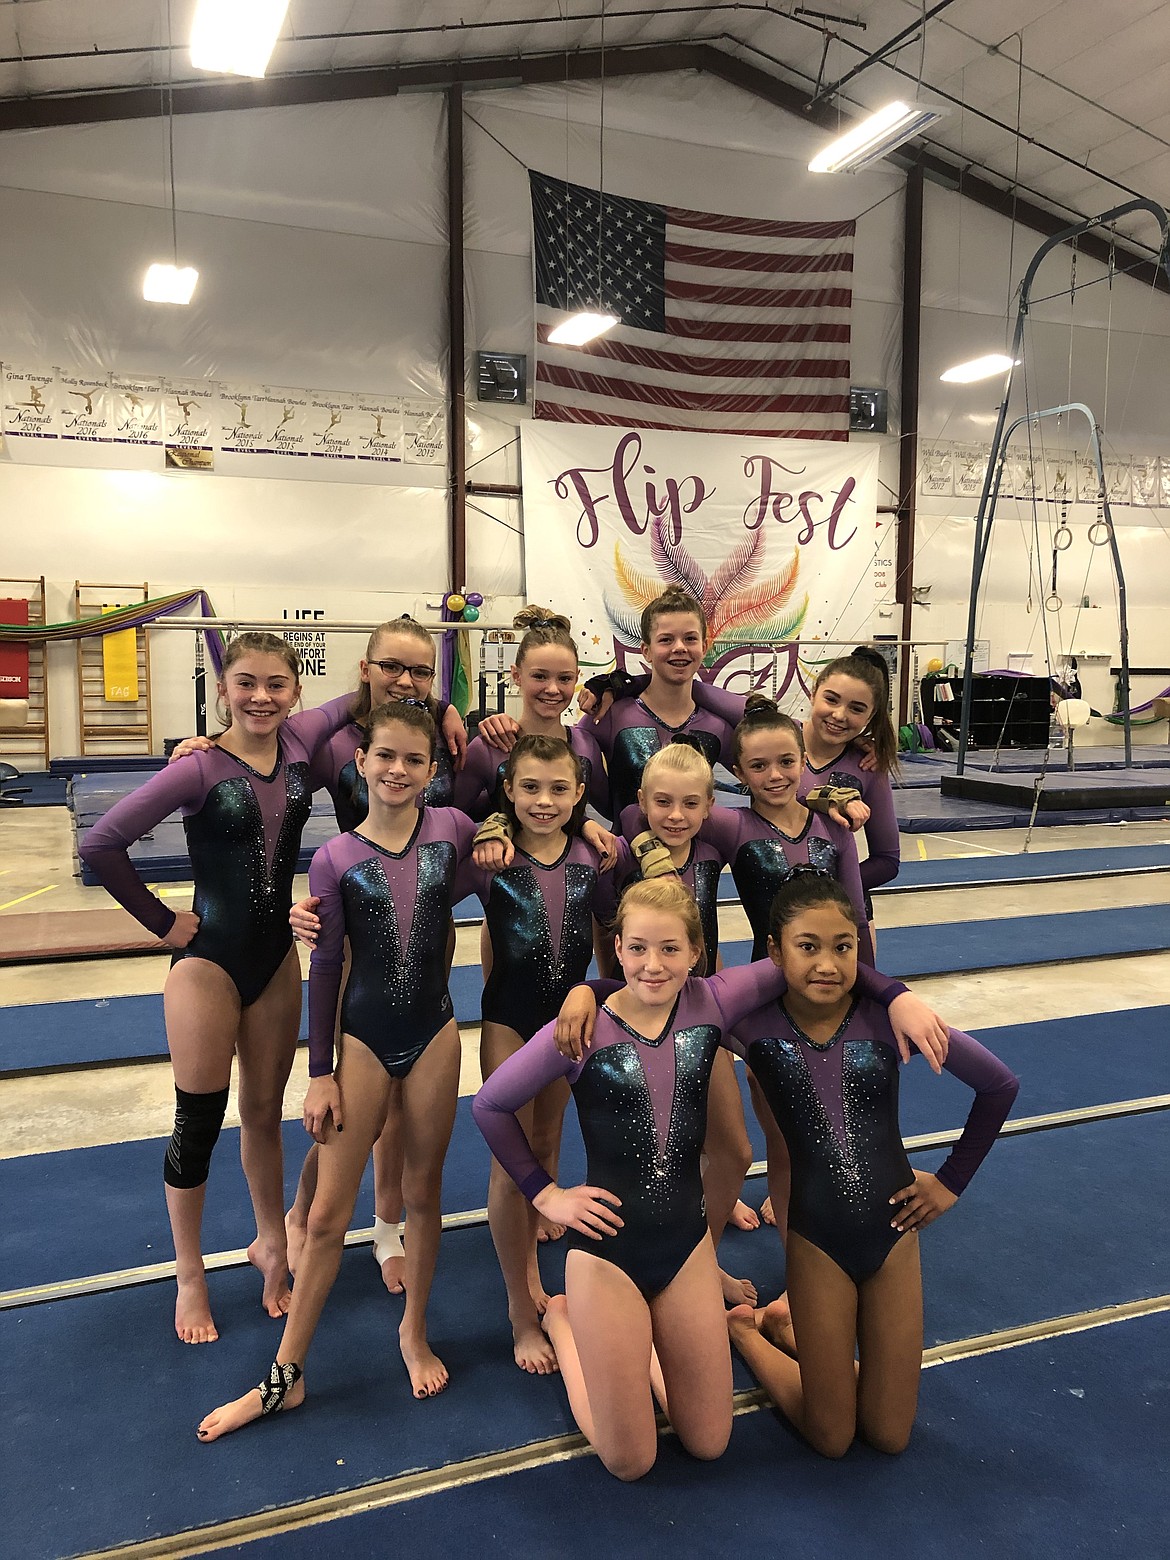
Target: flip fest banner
x: 776, y: 537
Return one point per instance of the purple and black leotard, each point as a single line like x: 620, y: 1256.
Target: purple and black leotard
x: 394, y: 906
x: 243, y: 835
x: 642, y: 1105
x: 630, y: 732
x: 837, y: 1106
x: 540, y: 921
x: 762, y: 858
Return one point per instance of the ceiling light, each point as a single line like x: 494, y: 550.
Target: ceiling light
x: 236, y: 37
x: 169, y: 283
x: 579, y: 328
x: 876, y: 135
x: 978, y: 368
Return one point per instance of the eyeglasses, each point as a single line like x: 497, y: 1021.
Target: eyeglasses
x: 395, y: 669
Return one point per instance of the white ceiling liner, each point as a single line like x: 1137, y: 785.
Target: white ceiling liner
x: 371, y: 168
x: 1096, y: 77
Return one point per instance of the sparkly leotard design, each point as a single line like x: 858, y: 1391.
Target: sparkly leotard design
x: 243, y: 834
x: 642, y: 1105
x: 335, y: 769
x: 394, y: 907
x: 837, y: 1106
x: 630, y: 732
x: 762, y: 858
x: 540, y: 921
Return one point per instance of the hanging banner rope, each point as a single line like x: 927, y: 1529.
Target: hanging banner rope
x: 136, y: 615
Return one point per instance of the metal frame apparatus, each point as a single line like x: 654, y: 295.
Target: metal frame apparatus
x: 32, y: 739
x: 999, y: 444
x: 104, y: 728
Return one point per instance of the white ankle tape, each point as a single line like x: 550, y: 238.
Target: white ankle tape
x: 387, y: 1241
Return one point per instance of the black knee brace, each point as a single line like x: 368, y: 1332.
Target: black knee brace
x: 198, y: 1118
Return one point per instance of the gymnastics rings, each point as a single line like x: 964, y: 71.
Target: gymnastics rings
x: 1052, y: 602
x: 1103, y: 526
x: 1062, y: 537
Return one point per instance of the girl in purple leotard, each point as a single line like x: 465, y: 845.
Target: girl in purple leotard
x: 234, y: 988
x: 826, y: 1060
x: 388, y: 887
x: 642, y: 1309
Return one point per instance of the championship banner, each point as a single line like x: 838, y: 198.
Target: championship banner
x: 14, y: 657
x: 120, y: 664
x: 380, y: 435
x: 239, y: 419
x: 283, y: 422
x: 775, y: 537
x: 87, y: 411
x: 30, y: 403
x: 333, y: 426
x: 189, y: 408
x: 425, y: 429
x: 137, y: 410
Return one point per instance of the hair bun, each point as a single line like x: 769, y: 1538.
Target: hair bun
x: 759, y: 704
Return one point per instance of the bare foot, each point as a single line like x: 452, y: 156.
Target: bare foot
x: 428, y: 1374
x: 775, y: 1324
x: 537, y: 1290
x: 740, y: 1319
x: 272, y: 1265
x: 534, y: 1353
x: 193, y: 1321
x: 295, y: 1230
x: 766, y: 1211
x: 744, y: 1218
x: 234, y: 1416
x: 394, y: 1275
x: 546, y: 1230
x: 737, y: 1291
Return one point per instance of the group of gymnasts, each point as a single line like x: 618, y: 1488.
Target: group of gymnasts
x: 646, y: 1052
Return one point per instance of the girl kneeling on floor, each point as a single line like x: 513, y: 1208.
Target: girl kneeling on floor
x: 643, y: 1309
x: 826, y: 1060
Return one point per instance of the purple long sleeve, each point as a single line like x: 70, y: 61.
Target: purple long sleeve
x: 313, y: 728
x: 179, y: 787
x: 584, y: 744
x: 476, y: 782
x: 326, y: 964
x: 516, y: 1081
x: 882, y: 838
x: 719, y: 701
x: 996, y: 1087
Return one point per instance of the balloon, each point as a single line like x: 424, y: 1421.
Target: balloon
x: 934, y: 665
x: 456, y: 602
x: 474, y: 599
x: 470, y: 614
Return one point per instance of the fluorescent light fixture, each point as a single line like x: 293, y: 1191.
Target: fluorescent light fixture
x: 978, y: 368
x: 169, y: 283
x: 236, y: 37
x: 876, y: 135
x: 581, y: 327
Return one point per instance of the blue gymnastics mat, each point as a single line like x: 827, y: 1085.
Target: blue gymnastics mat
x: 71, y: 1034
x: 999, y: 1443
x: 1063, y: 1064
x: 1052, y: 1225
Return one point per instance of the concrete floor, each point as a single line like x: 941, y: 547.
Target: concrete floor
x: 115, y: 1104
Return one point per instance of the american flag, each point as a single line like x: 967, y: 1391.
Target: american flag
x: 727, y: 324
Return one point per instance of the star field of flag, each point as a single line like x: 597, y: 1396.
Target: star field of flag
x: 599, y: 252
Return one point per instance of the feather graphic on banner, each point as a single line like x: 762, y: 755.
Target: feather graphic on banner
x: 739, y: 611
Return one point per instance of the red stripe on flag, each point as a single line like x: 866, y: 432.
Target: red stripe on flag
x: 759, y: 297
x: 733, y: 330
x: 713, y: 222
x: 553, y: 411
x: 725, y: 367
x: 745, y: 260
x: 685, y: 400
